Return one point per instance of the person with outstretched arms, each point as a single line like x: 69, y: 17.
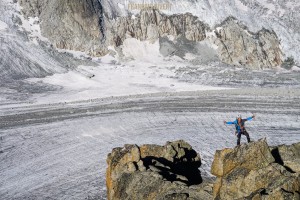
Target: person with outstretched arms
x: 240, y: 128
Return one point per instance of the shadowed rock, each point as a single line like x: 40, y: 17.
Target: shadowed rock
x: 155, y: 172
x: 288, y: 156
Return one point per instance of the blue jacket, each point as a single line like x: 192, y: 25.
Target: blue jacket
x: 240, y: 127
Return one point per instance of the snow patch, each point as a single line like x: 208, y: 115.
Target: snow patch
x: 141, y: 50
x: 219, y: 28
x: 107, y: 80
x: 190, y: 56
x: 295, y: 68
x: 75, y: 54
x: 32, y: 26
x: 171, y: 37
x: 108, y: 59
x: 3, y: 26
x: 270, y: 6
x: 240, y: 5
x: 210, y: 34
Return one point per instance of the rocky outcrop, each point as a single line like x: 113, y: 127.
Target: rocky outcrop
x: 155, y: 172
x: 251, y: 172
x: 151, y: 24
x: 238, y: 46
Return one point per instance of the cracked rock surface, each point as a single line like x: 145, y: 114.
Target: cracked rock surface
x: 156, y: 172
x: 238, y: 46
x: 253, y: 172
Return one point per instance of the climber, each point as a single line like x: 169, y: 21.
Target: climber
x: 240, y: 128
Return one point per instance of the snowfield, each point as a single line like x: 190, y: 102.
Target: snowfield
x: 144, y: 71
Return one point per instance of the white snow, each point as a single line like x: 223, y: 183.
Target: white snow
x: 189, y: 56
x: 211, y: 34
x: 31, y: 25
x: 269, y: 5
x: 108, y: 80
x: 295, y: 68
x: 141, y: 50
x: 292, y: 4
x: 241, y: 6
x: 3, y: 26
x: 146, y: 71
x: 76, y: 54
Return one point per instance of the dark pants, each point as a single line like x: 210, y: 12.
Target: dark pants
x: 239, y: 135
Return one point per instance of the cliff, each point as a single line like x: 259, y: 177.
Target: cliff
x: 238, y: 46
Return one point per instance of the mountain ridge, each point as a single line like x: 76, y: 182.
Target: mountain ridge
x: 88, y: 34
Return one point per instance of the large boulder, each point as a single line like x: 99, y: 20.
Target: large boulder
x: 155, y: 172
x: 253, y: 156
x: 250, y: 172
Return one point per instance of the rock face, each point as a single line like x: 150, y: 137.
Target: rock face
x: 70, y: 24
x: 151, y: 24
x: 251, y: 172
x: 88, y: 26
x: 238, y: 46
x: 155, y: 172
x: 84, y: 26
